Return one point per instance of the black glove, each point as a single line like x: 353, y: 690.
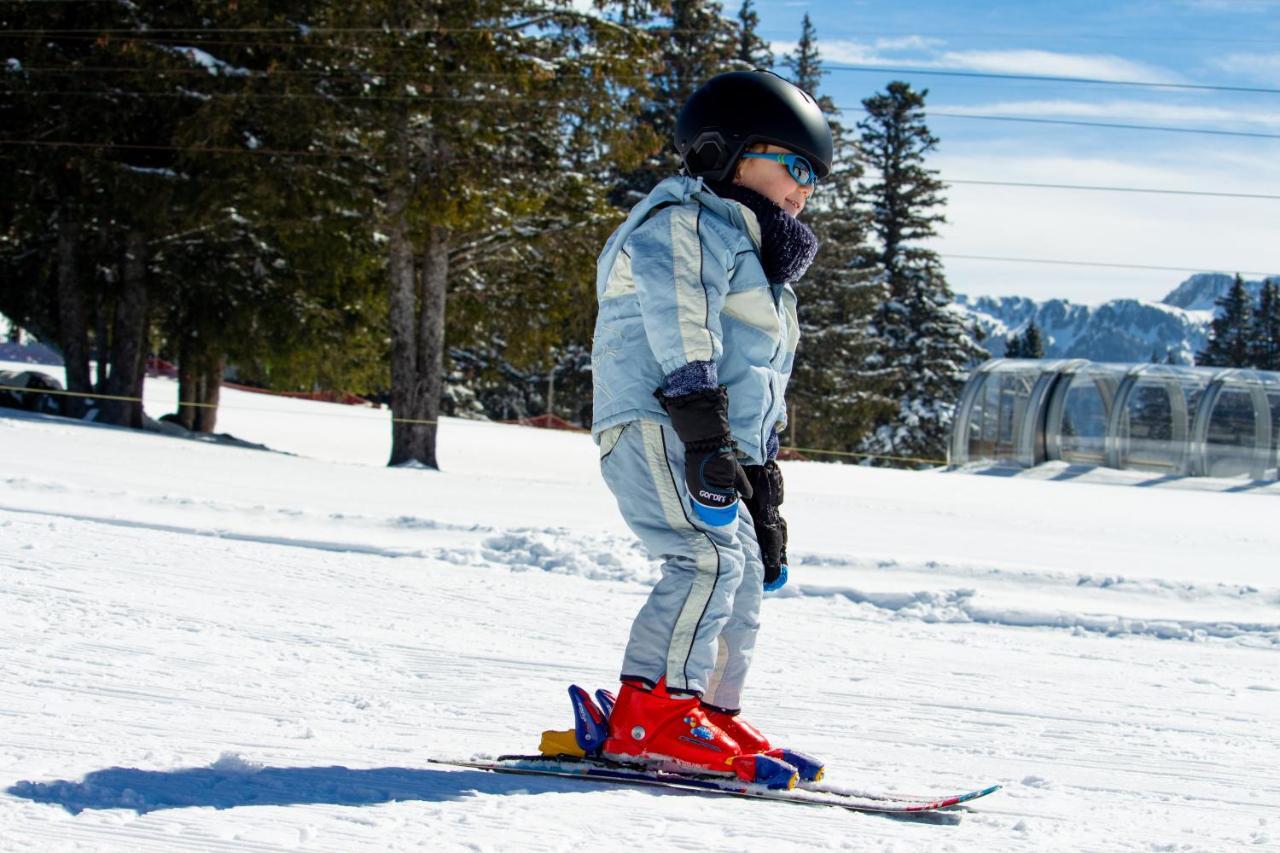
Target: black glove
x: 711, y: 467
x: 771, y: 527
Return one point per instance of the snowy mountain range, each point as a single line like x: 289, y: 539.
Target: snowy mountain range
x: 1118, y: 330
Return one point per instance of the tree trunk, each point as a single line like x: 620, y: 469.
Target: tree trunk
x: 188, y: 380
x: 128, y: 336
x: 407, y: 444
x: 417, y: 343
x: 199, y: 386
x: 210, y: 391
x: 435, y: 278
x: 101, y: 340
x: 73, y: 320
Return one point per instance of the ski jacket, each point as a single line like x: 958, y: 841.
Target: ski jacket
x: 681, y: 281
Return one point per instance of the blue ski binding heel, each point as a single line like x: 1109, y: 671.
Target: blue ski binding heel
x: 590, y: 724
x: 607, y: 700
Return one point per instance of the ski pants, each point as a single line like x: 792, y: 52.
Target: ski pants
x: 698, y: 627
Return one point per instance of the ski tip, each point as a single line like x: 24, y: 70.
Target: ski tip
x: 963, y: 798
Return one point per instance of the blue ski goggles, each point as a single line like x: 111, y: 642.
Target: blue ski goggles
x: 797, y: 166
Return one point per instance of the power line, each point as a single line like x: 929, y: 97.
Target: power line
x: 303, y: 29
x: 1095, y: 264
x: 202, y: 149
x: 363, y: 153
x: 1104, y: 125
x: 1046, y: 78
x: 497, y: 100
x: 299, y: 96
x: 1051, y: 36
x: 94, y: 35
x: 1110, y: 189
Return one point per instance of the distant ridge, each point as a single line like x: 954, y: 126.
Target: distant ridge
x: 1124, y: 330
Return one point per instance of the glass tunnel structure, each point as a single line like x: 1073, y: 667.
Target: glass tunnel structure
x: 1171, y: 419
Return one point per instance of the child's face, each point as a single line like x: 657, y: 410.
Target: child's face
x: 772, y: 180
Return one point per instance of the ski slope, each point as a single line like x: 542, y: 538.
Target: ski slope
x: 216, y: 648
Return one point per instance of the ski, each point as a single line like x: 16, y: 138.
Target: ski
x: 807, y: 793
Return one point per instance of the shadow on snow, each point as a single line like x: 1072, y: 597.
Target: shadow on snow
x: 150, y: 790
x: 145, y: 791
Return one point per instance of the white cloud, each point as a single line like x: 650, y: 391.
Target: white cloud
x: 1049, y: 63
x: 1120, y: 110
x: 1122, y: 228
x: 1246, y: 6
x: 1260, y: 66
x: 907, y: 43
x: 853, y: 52
x: 921, y: 52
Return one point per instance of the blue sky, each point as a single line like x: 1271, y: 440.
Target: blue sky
x: 1219, y: 42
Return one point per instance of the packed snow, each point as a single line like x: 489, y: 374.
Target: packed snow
x: 212, y: 647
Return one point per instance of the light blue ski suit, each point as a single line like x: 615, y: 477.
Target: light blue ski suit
x: 681, y: 281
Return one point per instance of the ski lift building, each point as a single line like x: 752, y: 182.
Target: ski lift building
x: 1172, y: 419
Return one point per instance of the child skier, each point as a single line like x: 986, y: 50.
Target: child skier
x: 694, y: 344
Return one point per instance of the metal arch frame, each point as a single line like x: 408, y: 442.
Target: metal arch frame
x: 1058, y: 407
x: 964, y: 410
x: 1272, y: 453
x: 1039, y: 435
x: 1260, y: 453
x: 1034, y: 440
x: 1177, y: 408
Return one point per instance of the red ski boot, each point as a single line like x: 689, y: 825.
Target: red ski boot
x: 749, y: 738
x: 673, y: 733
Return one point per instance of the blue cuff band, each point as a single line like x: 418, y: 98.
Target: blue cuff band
x: 694, y: 376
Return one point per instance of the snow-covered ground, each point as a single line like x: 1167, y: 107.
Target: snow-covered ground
x: 209, y: 647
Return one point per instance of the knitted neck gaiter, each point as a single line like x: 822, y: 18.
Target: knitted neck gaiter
x: 788, y: 246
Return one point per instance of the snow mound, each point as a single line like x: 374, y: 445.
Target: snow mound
x: 234, y: 764
x: 593, y: 557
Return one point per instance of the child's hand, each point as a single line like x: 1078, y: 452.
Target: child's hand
x: 712, y: 471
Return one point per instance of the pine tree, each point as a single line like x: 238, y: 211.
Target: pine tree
x: 922, y: 340
x: 1266, y: 328
x: 753, y: 51
x: 697, y: 43
x: 1032, y: 342
x: 478, y: 137
x: 1229, y: 342
x: 805, y: 63
x: 1013, y: 346
x: 833, y: 398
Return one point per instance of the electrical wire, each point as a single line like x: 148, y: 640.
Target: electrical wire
x: 1109, y: 189
x: 95, y: 35
x: 951, y: 256
x: 524, y: 100
x: 361, y: 153
x: 1050, y: 78
x: 1101, y: 124
x: 303, y: 29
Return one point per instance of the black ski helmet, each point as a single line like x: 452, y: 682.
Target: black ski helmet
x: 732, y: 111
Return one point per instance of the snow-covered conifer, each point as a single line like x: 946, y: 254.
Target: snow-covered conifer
x: 1229, y: 342
x: 753, y: 51
x: 1266, y: 328
x: 834, y: 395
x: 922, y: 340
